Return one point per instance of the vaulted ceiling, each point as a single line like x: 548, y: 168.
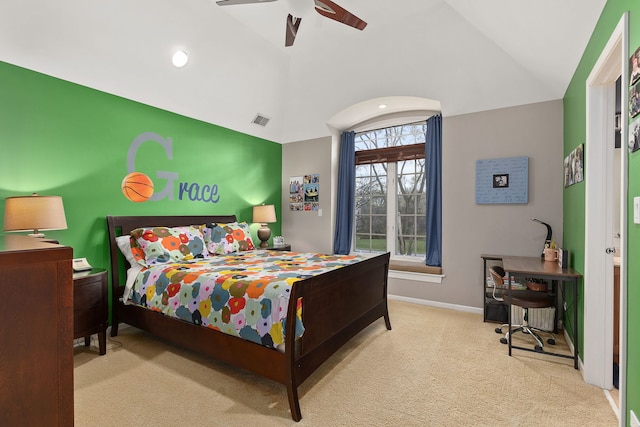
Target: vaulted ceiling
x: 470, y: 55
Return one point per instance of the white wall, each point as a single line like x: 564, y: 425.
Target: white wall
x: 308, y: 231
x: 469, y: 230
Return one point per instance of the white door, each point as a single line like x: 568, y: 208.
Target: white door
x: 599, y: 211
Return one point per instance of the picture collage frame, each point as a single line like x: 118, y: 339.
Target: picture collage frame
x: 304, y: 192
x: 634, y: 101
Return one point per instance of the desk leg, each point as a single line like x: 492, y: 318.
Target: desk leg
x: 508, y: 293
x: 575, y: 323
x: 484, y: 289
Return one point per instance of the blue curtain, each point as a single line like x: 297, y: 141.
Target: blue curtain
x: 433, y: 153
x: 346, y: 194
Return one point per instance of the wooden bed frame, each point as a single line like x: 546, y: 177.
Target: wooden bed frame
x: 356, y: 295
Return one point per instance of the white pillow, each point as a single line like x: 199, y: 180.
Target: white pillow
x: 124, y: 243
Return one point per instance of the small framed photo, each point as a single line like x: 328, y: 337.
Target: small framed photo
x: 634, y: 136
x: 501, y: 180
x: 634, y: 67
x: 573, y: 166
x: 634, y: 100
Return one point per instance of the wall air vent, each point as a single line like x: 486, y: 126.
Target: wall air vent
x: 261, y: 120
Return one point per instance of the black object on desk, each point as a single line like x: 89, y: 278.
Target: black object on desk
x: 534, y: 267
x: 547, y: 240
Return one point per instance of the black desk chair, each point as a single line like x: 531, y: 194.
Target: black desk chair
x: 525, y: 300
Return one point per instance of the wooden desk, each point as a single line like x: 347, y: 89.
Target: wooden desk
x: 537, y: 267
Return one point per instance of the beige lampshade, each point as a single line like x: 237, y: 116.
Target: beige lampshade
x: 34, y: 213
x: 264, y: 214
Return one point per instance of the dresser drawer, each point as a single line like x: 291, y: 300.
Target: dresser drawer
x: 87, y: 322
x: 86, y: 295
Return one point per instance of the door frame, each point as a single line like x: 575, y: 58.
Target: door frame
x: 599, y: 185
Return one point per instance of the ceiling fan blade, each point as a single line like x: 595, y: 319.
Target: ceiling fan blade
x: 293, y: 24
x: 333, y: 11
x: 232, y: 2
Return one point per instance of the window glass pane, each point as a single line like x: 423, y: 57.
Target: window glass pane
x: 371, y: 206
x: 379, y: 185
x: 407, y: 226
x: 379, y: 244
x: 363, y: 170
x: 406, y: 184
x: 406, y: 204
x: 363, y: 182
x: 379, y: 169
x: 405, y: 245
x: 407, y: 167
x: 379, y: 225
x: 411, y: 206
x: 363, y: 206
x: 421, y: 204
x: 368, y: 243
x: 363, y: 224
x: 421, y: 246
x: 421, y: 225
x: 363, y: 242
x: 379, y: 205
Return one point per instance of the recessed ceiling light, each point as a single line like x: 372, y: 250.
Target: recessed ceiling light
x: 382, y: 106
x: 180, y: 58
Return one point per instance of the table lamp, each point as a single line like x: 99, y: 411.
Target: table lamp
x: 264, y: 214
x: 547, y: 240
x: 37, y: 213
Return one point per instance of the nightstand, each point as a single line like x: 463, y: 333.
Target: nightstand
x: 90, y: 306
x: 279, y: 248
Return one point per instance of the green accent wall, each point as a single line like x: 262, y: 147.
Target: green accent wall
x: 60, y: 138
x: 574, y: 196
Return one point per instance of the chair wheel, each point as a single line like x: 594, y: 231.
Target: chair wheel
x: 503, y: 340
x: 551, y: 341
x: 498, y: 330
x: 538, y: 348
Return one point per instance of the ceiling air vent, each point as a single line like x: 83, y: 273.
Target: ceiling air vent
x: 261, y: 120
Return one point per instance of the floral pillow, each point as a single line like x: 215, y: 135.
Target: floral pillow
x: 161, y: 245
x: 230, y: 238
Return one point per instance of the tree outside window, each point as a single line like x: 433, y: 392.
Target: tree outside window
x: 390, y: 198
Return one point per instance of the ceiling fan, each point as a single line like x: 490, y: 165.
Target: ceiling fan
x: 325, y: 8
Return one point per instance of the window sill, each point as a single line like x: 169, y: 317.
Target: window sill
x: 408, y: 270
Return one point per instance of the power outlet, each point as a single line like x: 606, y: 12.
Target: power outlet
x: 633, y: 422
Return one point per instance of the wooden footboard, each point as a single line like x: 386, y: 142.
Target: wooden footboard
x: 355, y: 295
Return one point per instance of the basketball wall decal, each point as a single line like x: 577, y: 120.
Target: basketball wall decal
x: 137, y: 187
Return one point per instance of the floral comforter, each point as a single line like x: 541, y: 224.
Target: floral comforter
x: 245, y: 294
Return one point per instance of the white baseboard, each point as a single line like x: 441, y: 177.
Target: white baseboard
x: 476, y: 310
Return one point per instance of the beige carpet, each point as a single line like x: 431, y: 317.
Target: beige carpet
x: 436, y: 367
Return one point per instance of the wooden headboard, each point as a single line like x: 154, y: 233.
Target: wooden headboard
x: 121, y: 225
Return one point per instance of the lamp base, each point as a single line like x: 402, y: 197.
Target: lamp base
x: 36, y: 235
x: 264, y: 233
